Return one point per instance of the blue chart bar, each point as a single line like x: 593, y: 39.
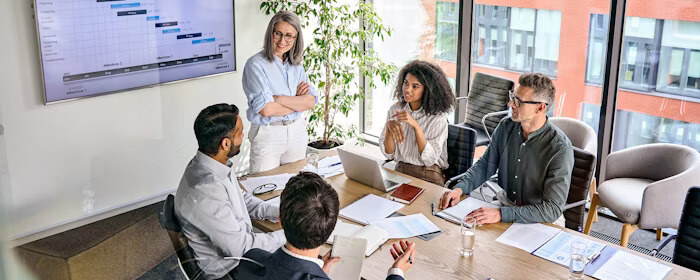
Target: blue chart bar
x: 153, y: 18
x: 174, y: 30
x: 209, y: 40
x: 128, y: 5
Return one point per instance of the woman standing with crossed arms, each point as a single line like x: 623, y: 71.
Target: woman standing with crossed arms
x: 415, y: 134
x: 278, y: 92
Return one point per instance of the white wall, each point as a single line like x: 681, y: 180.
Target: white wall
x: 78, y: 161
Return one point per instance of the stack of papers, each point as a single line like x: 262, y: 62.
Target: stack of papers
x: 527, y: 237
x: 407, y: 226
x: 558, y: 249
x: 459, y: 212
x: 327, y: 167
x: 370, y: 208
x: 280, y: 181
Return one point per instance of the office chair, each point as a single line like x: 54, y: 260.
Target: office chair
x: 185, y: 256
x: 581, y: 178
x: 461, y: 141
x: 686, y: 253
x: 487, y: 105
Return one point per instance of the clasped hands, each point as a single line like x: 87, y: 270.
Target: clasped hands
x: 393, y: 126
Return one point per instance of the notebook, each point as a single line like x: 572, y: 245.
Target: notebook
x: 406, y: 193
x: 352, y: 254
x: 369, y: 208
x: 458, y: 212
x: 374, y: 235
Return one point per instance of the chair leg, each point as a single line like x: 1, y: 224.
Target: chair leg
x: 593, y: 191
x: 595, y: 201
x: 627, y: 230
x: 659, y: 234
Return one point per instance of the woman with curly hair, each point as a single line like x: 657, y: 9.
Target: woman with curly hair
x: 415, y: 134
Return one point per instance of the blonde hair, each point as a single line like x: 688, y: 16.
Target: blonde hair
x: 296, y: 53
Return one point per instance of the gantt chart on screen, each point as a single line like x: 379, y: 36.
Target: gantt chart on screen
x: 91, y: 47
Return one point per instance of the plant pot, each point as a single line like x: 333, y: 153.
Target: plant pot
x: 312, y: 148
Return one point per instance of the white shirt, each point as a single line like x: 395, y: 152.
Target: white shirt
x: 435, y: 130
x: 215, y: 216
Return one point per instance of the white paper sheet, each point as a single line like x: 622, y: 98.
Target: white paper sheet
x: 527, y: 237
x: 280, y: 180
x: 463, y: 208
x: 370, y: 208
x: 352, y: 254
x: 327, y: 167
x: 558, y: 249
x: 406, y: 226
x: 627, y: 266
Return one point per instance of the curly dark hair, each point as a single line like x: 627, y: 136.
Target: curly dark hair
x: 437, y: 93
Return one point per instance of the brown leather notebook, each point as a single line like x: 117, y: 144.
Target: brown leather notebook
x: 406, y: 193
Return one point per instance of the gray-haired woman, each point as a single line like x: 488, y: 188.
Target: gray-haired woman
x: 278, y: 92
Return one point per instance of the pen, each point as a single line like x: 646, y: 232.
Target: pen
x: 432, y: 208
x: 410, y: 259
x: 335, y: 164
x: 592, y: 258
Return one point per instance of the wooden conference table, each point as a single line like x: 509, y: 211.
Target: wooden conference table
x: 439, y: 258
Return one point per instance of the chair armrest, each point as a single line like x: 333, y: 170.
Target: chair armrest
x: 575, y: 204
x: 662, y: 202
x: 663, y: 244
x: 493, y: 114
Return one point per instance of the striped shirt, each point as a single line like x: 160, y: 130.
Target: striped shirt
x: 435, y: 130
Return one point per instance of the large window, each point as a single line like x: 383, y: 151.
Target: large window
x: 658, y: 100
x: 422, y: 29
x: 519, y: 39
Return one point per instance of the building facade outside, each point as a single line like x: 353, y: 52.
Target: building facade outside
x: 659, y: 88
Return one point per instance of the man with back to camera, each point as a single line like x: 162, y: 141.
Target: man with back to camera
x: 308, y: 214
x: 533, y: 158
x: 211, y: 207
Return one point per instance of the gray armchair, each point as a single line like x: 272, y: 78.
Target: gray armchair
x: 645, y: 186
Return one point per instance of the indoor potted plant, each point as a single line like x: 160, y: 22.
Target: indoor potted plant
x: 336, y: 60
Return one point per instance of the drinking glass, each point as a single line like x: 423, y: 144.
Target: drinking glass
x: 578, y: 260
x: 468, y: 234
x: 312, y: 159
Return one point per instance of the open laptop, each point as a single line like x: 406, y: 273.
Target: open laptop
x: 367, y: 171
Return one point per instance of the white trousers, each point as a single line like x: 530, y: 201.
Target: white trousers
x: 274, y: 145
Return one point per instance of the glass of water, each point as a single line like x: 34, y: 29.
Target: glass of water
x: 578, y: 260
x: 467, y: 232
x: 312, y: 159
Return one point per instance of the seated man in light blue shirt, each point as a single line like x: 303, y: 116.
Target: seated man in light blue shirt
x: 211, y: 207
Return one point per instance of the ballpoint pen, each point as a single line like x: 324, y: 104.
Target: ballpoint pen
x: 432, y: 208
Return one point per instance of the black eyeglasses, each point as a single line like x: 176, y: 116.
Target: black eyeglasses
x: 287, y: 37
x: 517, y: 101
x: 265, y: 188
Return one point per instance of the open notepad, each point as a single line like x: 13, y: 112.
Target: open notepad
x: 460, y: 211
x: 374, y: 235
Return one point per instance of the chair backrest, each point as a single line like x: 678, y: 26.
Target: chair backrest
x: 687, y: 252
x: 488, y: 94
x: 461, y: 141
x: 581, y: 134
x: 581, y: 176
x: 184, y: 252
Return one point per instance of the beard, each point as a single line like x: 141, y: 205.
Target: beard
x: 234, y: 151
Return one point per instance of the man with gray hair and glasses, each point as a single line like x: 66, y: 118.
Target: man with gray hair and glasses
x: 532, y: 157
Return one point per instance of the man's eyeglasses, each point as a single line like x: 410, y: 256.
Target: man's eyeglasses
x: 517, y: 101
x: 265, y: 188
x: 287, y: 37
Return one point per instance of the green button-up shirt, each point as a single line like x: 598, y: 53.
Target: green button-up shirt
x: 535, y: 172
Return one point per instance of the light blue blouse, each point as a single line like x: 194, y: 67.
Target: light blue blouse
x: 263, y: 79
